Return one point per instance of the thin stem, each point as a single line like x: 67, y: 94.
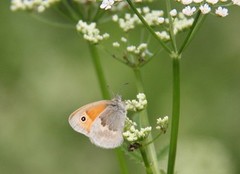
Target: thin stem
x: 150, y: 149
x: 195, y: 26
x: 148, y: 27
x: 146, y: 162
x: 173, y: 39
x: 175, y: 115
x: 73, y: 14
x: 156, y: 137
x: 99, y: 71
x: 106, y: 95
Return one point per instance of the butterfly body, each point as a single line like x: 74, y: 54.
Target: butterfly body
x: 101, y: 121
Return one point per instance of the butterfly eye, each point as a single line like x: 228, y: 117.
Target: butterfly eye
x: 83, y: 118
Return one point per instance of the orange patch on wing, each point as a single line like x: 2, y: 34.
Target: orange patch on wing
x: 94, y: 111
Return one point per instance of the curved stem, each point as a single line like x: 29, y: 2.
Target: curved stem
x: 148, y: 27
x: 175, y: 115
x: 148, y: 152
x: 106, y: 95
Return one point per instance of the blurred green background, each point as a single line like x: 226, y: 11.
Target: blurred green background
x: 46, y: 73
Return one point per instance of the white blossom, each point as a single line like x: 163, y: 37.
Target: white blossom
x: 132, y: 134
x: 236, y: 2
x: 90, y: 32
x: 188, y: 11
x: 140, y: 104
x: 37, y: 5
x: 212, y: 1
x: 123, y: 39
x: 205, y: 8
x: 197, y: 1
x: 107, y: 4
x: 162, y: 124
x: 163, y: 35
x: 222, y: 12
x: 116, y: 44
x: 186, y: 2
x: 173, y: 12
x: 181, y: 23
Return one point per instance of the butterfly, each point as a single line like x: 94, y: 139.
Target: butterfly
x: 101, y: 121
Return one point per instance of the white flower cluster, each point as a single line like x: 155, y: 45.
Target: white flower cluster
x: 155, y: 18
x: 180, y: 23
x: 38, y: 5
x: 162, y: 124
x: 128, y: 22
x: 132, y: 134
x: 90, y: 32
x: 140, y: 50
x: 206, y: 6
x: 137, y: 105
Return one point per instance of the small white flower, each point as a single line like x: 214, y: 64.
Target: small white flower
x: 197, y: 1
x: 123, y: 39
x: 116, y: 44
x: 222, y: 12
x: 135, y: 105
x: 236, y: 2
x: 146, y: 10
x: 162, y: 124
x: 107, y: 4
x: 205, y: 8
x: 160, y: 20
x: 37, y: 5
x: 186, y: 2
x: 132, y: 134
x: 212, y: 1
x: 90, y: 32
x: 173, y: 12
x: 115, y: 18
x: 188, y: 11
x: 163, y: 35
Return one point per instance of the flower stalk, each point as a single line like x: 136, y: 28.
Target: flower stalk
x: 106, y: 95
x: 148, y: 152
x: 175, y: 114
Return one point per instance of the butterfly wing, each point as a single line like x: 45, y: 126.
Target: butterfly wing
x: 81, y: 120
x: 107, y: 129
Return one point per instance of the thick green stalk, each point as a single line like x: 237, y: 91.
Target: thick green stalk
x: 148, y: 152
x: 106, y: 95
x: 175, y: 115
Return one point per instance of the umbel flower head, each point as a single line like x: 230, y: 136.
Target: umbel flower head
x: 37, y: 5
x: 90, y: 32
x: 137, y: 105
x: 132, y: 134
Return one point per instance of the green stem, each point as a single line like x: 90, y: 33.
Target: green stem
x: 99, y: 71
x: 144, y: 22
x: 195, y: 26
x: 148, y: 152
x: 70, y: 10
x: 172, y: 35
x: 145, y: 160
x: 106, y: 95
x: 175, y: 115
